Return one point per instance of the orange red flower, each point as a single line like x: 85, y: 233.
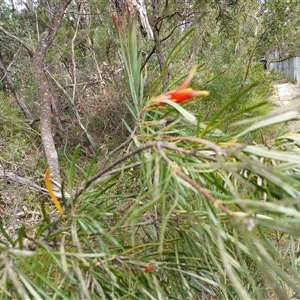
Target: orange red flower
x: 181, y: 94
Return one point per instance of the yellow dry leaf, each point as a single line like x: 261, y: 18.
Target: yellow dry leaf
x: 51, y: 193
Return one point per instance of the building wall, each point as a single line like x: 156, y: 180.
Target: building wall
x: 290, y: 67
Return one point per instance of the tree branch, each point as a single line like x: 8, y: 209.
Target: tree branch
x: 158, y: 48
x: 26, y: 46
x: 112, y: 165
x: 191, y: 182
x: 74, y: 78
x: 18, y: 98
x: 28, y: 183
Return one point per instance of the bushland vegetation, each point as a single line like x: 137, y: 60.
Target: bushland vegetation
x: 170, y: 175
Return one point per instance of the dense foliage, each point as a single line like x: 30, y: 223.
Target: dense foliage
x: 162, y: 200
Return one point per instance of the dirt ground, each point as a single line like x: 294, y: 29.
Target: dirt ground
x: 284, y: 94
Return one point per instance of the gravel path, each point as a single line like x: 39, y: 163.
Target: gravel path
x: 284, y: 94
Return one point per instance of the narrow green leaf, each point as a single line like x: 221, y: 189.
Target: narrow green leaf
x: 187, y: 115
x: 235, y: 280
x: 72, y: 169
x: 269, y: 121
x: 48, y: 282
x: 5, y: 234
x: 235, y: 99
x: 273, y: 154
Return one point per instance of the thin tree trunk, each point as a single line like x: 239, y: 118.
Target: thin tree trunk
x: 158, y: 48
x: 12, y: 5
x: 76, y: 113
x: 57, y: 118
x: 76, y: 90
x: 18, y: 98
x: 44, y: 88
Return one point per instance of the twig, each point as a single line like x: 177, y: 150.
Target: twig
x: 253, y: 52
x: 147, y: 58
x: 151, y: 221
x: 158, y: 48
x: 12, y: 36
x: 28, y: 183
x: 117, y: 170
x: 187, y: 179
x: 75, y: 86
x: 73, y: 107
x: 106, y: 171
x: 121, y: 146
x: 112, y: 165
x: 188, y: 152
x: 146, y: 223
x: 17, y: 96
x: 207, y: 143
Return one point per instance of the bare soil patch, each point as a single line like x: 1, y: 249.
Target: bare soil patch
x: 284, y: 94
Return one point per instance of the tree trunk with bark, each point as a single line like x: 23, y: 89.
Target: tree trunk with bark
x: 158, y: 48
x: 44, y: 91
